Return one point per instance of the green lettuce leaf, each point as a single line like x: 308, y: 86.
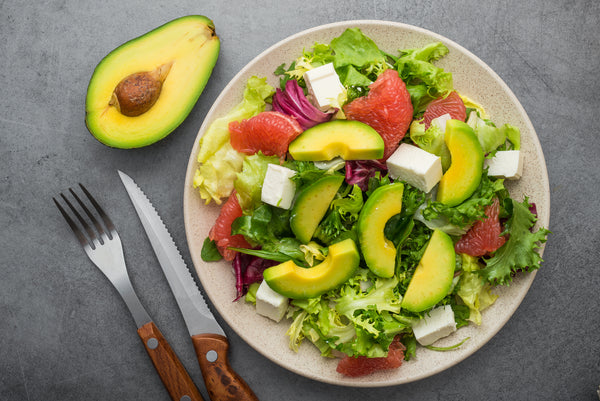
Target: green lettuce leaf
x: 490, y: 137
x: 251, y: 294
x: 341, y: 217
x: 431, y: 140
x: 513, y: 134
x: 473, y: 290
x: 472, y: 209
x: 424, y: 80
x: 494, y: 138
x: 219, y: 162
x: 519, y: 253
x: 248, y: 184
x: 357, y: 58
x: 269, y: 228
x: 210, y: 252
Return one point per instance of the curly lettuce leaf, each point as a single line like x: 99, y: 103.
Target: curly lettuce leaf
x: 472, y: 209
x: 248, y: 184
x: 520, y: 252
x: 513, y: 134
x: 473, y: 290
x: 214, y: 179
x: 494, y: 138
x: 342, y: 216
x: 363, y: 322
x: 219, y: 162
x: 431, y: 140
x: 424, y: 80
x: 357, y: 58
x: 381, y: 296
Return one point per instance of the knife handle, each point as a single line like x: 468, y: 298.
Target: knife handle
x: 222, y: 382
x: 176, y: 379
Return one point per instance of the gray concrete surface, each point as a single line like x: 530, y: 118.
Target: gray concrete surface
x: 65, y: 334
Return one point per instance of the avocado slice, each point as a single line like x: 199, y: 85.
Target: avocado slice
x: 311, y: 205
x: 297, y: 282
x: 433, y: 276
x: 144, y: 89
x: 464, y: 174
x: 378, y: 251
x: 351, y: 140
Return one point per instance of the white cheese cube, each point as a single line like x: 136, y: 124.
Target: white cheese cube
x: 277, y: 189
x: 324, y: 86
x: 270, y: 303
x: 435, y: 325
x: 505, y: 164
x: 416, y: 166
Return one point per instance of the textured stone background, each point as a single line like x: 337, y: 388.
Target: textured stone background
x: 65, y: 334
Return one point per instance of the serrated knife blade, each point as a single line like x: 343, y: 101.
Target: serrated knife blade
x: 210, y: 342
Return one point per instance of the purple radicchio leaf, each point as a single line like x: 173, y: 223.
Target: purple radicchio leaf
x: 248, y: 269
x: 360, y: 171
x: 294, y: 103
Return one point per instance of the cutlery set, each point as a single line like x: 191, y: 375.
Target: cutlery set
x: 102, y: 244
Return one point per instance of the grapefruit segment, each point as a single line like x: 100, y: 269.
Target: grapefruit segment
x: 484, y: 237
x: 269, y: 132
x: 221, y: 231
x: 361, y: 365
x: 451, y: 104
x: 387, y: 108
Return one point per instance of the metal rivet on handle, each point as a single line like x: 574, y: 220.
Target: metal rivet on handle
x: 185, y: 398
x: 152, y: 343
x: 212, y: 355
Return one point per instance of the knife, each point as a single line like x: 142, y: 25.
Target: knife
x: 209, y: 339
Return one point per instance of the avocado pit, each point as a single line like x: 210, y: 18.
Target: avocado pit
x: 137, y: 93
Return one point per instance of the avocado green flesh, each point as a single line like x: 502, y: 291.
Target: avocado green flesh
x: 312, y: 204
x: 351, y: 140
x: 297, y: 282
x: 378, y: 251
x: 464, y: 174
x: 189, y: 45
x: 433, y: 276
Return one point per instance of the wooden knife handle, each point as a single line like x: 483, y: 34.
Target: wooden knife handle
x: 176, y: 379
x: 221, y: 381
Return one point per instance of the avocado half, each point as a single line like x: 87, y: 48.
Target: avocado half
x: 144, y: 89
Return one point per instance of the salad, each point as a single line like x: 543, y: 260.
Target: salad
x: 364, y: 202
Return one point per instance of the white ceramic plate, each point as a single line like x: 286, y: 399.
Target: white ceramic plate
x: 473, y: 79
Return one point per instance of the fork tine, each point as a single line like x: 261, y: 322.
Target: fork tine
x: 82, y: 239
x: 89, y: 214
x: 92, y: 235
x: 109, y: 224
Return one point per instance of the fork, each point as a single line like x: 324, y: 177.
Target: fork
x: 103, y: 246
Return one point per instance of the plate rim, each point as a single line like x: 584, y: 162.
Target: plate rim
x: 525, y: 280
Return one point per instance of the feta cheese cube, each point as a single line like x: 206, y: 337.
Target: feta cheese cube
x: 277, y: 189
x: 324, y: 86
x: 505, y: 164
x: 435, y: 325
x: 270, y: 303
x: 416, y: 166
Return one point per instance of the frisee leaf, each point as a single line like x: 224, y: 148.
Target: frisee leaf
x: 520, y: 252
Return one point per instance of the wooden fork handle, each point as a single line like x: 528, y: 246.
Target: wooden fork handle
x: 222, y: 382
x: 171, y: 371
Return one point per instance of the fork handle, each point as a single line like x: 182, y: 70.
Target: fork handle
x: 170, y: 369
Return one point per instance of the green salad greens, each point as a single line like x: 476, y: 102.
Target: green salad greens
x: 363, y: 315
